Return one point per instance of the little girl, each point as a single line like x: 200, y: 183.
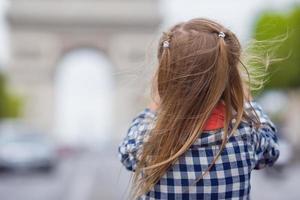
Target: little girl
x: 204, y: 134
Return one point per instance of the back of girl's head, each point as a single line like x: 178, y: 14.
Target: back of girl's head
x: 198, y: 68
x: 198, y: 64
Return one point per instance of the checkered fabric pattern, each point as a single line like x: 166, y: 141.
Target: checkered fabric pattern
x: 229, y: 178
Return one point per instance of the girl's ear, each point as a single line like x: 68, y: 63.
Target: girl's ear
x: 153, y: 106
x: 247, y: 92
x: 155, y: 100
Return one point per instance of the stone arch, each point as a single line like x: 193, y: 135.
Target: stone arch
x: 67, y: 50
x: 41, y: 32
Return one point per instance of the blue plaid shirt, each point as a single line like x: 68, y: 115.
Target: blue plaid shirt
x: 229, y: 178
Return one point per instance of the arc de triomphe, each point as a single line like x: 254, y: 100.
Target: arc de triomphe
x: 43, y: 31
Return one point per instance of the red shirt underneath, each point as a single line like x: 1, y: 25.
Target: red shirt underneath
x: 216, y: 119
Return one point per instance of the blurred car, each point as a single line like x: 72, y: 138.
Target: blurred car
x: 23, y: 149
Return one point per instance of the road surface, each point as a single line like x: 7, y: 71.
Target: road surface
x: 100, y: 176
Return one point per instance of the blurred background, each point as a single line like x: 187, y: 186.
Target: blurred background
x: 73, y: 74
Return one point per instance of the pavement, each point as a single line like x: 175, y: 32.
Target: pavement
x: 100, y: 176
x: 85, y: 176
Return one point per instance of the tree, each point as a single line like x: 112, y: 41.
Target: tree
x: 10, y: 105
x: 283, y: 31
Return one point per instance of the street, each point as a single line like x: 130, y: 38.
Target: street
x: 100, y: 176
x: 86, y: 176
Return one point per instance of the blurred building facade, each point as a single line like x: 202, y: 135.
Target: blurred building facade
x: 43, y: 31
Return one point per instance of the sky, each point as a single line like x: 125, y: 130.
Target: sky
x: 237, y: 15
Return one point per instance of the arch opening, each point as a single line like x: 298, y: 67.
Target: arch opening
x: 83, y: 99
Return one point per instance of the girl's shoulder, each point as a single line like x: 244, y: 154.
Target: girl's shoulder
x: 215, y: 137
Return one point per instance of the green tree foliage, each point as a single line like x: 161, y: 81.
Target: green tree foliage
x: 10, y: 105
x: 282, y: 30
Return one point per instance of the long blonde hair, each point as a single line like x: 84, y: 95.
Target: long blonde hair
x: 196, y: 71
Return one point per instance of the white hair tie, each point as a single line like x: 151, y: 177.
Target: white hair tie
x: 166, y: 44
x: 222, y: 35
